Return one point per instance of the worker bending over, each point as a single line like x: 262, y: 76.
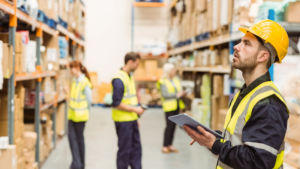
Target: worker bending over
x: 125, y: 113
x: 256, y: 121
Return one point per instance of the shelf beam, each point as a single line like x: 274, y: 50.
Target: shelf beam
x: 149, y: 4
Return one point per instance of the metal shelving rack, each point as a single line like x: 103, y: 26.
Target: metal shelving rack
x: 15, y: 14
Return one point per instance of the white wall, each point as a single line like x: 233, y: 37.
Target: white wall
x: 108, y: 33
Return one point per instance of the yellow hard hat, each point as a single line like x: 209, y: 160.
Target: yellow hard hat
x: 273, y: 33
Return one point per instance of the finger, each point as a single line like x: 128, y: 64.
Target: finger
x: 203, y: 131
x: 192, y: 142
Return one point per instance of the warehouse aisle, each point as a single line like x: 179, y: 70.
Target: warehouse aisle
x: 101, y: 145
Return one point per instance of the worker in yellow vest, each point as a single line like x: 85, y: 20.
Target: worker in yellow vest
x: 171, y: 92
x: 79, y: 108
x: 256, y: 121
x: 125, y: 113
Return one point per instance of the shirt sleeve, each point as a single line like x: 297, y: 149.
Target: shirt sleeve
x: 262, y: 137
x: 88, y: 95
x: 118, y: 92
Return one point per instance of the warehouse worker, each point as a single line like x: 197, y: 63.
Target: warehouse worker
x: 79, y: 108
x: 125, y: 113
x: 171, y: 91
x: 256, y: 121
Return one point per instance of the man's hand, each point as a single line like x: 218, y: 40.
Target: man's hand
x: 205, y: 139
x: 138, y: 110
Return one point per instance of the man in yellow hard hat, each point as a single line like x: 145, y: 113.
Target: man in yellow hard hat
x: 256, y: 121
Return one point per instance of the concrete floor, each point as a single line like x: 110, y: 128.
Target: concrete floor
x: 101, y: 145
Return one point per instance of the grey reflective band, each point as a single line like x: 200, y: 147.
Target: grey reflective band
x: 262, y: 146
x: 223, y: 166
x: 78, y: 109
x: 129, y: 96
x: 78, y: 100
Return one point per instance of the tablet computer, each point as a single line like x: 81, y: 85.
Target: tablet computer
x: 184, y: 119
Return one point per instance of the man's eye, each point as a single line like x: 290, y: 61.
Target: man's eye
x: 246, y: 43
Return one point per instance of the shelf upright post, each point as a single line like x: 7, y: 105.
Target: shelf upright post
x: 132, y: 27
x: 54, y: 115
x: 271, y: 17
x: 231, y: 51
x: 11, y: 80
x: 73, y: 49
x: 39, y: 35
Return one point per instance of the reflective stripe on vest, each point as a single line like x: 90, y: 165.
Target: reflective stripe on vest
x: 78, y: 106
x: 170, y: 104
x: 234, y: 125
x: 129, y: 98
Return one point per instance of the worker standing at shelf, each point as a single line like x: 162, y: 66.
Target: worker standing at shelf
x: 79, y: 108
x: 256, y: 121
x: 125, y: 113
x: 171, y: 91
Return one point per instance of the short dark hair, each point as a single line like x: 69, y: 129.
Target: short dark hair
x: 262, y: 47
x: 131, y: 56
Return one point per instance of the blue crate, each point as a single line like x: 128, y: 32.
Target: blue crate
x: 62, y: 53
x: 62, y: 23
x: 201, y: 37
x: 62, y: 42
x: 53, y: 24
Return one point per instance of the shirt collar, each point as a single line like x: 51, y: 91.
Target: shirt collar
x: 264, y: 78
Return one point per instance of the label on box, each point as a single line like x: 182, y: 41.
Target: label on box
x: 4, y: 142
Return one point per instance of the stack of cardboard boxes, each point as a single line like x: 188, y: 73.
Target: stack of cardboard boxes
x: 219, y: 103
x: 60, y: 119
x: 212, y: 58
x: 29, y: 150
x: 148, y: 69
x: 47, y: 87
x: 47, y: 134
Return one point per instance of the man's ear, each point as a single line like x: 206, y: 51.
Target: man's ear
x: 263, y: 56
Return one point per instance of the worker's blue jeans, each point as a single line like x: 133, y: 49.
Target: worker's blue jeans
x: 130, y: 149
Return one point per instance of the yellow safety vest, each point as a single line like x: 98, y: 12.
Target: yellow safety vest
x: 170, y: 104
x: 233, y: 126
x: 78, y: 106
x: 129, y: 98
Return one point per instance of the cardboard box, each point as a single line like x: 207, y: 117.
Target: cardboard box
x: 60, y: 119
x: 29, y: 127
x: 18, y: 63
x: 292, y: 12
x: 4, y: 37
x: 4, y: 108
x: 94, y: 78
x: 3, y: 128
x: 221, y: 118
x: 214, y: 111
x: 29, y: 156
x: 225, y: 57
x: 30, y: 140
x: 19, y: 147
x: 218, y: 85
x: 8, y: 158
x: 7, y: 60
x: 21, y: 163
x: 20, y: 91
x: 3, y: 143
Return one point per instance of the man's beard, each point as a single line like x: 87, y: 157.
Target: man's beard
x: 248, y: 65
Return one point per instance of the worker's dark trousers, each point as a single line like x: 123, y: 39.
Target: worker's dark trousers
x: 130, y: 149
x: 76, y: 141
x: 170, y: 129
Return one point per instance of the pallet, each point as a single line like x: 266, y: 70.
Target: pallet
x: 221, y: 30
